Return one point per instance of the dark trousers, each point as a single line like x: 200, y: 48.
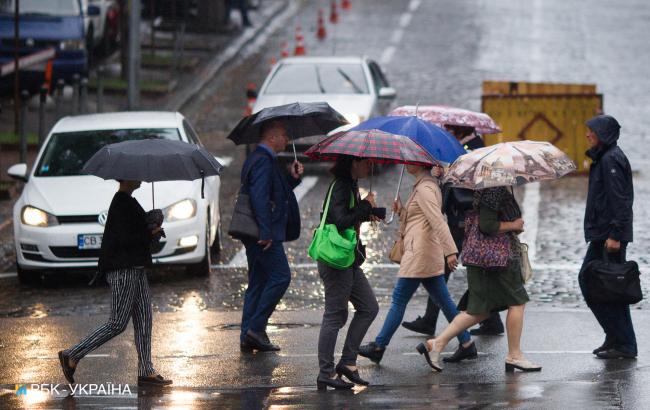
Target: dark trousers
x: 432, y: 312
x: 243, y: 9
x: 341, y: 287
x: 130, y: 298
x: 268, y: 278
x: 614, y: 318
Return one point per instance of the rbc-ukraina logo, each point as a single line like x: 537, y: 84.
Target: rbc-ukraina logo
x: 21, y: 390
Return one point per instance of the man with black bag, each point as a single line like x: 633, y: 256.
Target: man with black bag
x: 275, y: 212
x: 608, y: 230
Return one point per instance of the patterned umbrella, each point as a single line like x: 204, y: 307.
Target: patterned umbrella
x: 442, y: 114
x: 378, y: 146
x: 509, y: 164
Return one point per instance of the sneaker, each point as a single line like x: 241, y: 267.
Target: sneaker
x: 462, y: 353
x: 487, y: 330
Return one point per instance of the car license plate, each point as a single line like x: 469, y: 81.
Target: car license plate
x: 89, y: 241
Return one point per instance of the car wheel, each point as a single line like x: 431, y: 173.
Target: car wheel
x: 202, y: 268
x: 27, y: 277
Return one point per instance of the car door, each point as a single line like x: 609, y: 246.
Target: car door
x: 379, y: 81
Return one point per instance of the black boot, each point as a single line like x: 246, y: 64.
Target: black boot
x: 462, y: 353
x: 372, y: 352
x: 420, y: 325
x: 491, y: 326
x: 339, y: 384
x: 352, y: 375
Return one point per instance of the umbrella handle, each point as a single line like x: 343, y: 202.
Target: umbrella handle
x: 153, y: 201
x: 399, y: 184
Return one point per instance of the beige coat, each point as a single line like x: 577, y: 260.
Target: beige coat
x: 427, y: 240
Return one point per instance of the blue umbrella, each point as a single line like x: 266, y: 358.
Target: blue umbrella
x: 440, y: 144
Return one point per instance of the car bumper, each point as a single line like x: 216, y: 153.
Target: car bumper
x: 55, y: 247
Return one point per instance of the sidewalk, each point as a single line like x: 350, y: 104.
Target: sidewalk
x: 200, y: 352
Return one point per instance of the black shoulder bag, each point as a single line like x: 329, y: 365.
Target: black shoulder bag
x: 610, y: 282
x: 243, y: 225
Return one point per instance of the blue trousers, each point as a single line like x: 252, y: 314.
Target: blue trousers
x: 268, y: 278
x: 614, y: 318
x: 402, y: 294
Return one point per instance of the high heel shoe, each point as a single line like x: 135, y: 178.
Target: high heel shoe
x: 432, y: 357
x: 339, y: 384
x: 352, y: 375
x: 522, y: 364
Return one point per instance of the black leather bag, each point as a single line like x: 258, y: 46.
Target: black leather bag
x: 611, y: 282
x: 243, y: 225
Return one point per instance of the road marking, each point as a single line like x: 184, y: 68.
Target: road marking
x: 405, y: 19
x: 5, y: 224
x: 225, y: 161
x: 8, y: 275
x: 562, y: 267
x: 387, y: 55
x: 527, y: 351
x: 414, y: 5
x: 530, y: 208
x: 239, y: 260
x: 397, y: 36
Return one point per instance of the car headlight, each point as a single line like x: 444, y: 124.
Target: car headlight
x: 72, y: 45
x: 184, y: 209
x: 35, y: 217
x: 352, y: 118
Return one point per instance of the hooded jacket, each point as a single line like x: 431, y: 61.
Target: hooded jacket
x: 609, y: 200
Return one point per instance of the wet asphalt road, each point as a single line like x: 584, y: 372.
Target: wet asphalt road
x: 432, y: 52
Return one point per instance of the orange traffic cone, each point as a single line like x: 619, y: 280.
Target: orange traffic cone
x: 346, y: 4
x: 334, y: 15
x: 300, y: 43
x: 321, y: 33
x: 285, y: 49
x: 251, y: 97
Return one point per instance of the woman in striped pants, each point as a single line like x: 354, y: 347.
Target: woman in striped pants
x: 124, y: 255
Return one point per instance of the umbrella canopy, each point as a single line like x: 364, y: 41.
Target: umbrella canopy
x: 442, y: 114
x: 440, y: 144
x: 509, y: 164
x: 300, y: 119
x: 152, y: 160
x: 378, y: 146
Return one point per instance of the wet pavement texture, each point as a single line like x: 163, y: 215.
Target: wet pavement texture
x: 432, y: 52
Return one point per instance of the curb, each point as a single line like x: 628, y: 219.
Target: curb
x: 224, y: 57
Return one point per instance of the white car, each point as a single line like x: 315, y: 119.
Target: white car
x: 354, y: 86
x: 101, y: 22
x: 59, y: 218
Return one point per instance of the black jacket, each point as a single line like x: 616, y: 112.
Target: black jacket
x: 127, y: 240
x: 611, y: 193
x: 343, y: 216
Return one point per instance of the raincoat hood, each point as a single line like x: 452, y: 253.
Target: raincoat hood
x: 606, y: 127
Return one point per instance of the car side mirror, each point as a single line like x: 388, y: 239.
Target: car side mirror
x: 18, y: 172
x: 387, y: 92
x: 94, y: 10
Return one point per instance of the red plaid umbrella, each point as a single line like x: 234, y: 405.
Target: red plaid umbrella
x: 378, y: 146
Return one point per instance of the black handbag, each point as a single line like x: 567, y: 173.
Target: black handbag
x: 243, y: 225
x: 611, y: 282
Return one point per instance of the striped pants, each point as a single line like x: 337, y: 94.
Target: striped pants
x: 130, y: 298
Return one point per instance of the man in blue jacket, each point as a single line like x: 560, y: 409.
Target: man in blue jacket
x: 608, y: 228
x: 278, y: 218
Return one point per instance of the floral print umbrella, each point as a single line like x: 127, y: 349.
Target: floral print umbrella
x: 509, y: 164
x: 442, y: 114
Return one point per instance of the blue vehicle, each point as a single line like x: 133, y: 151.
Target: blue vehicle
x: 52, y: 23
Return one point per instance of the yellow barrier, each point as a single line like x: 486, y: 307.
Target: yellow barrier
x: 546, y: 112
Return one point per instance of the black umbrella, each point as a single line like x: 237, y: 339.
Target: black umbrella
x: 300, y: 119
x: 152, y: 160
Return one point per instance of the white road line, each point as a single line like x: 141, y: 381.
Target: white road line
x: 396, y: 38
x: 563, y: 267
x: 387, y: 55
x: 8, y: 275
x: 405, y: 19
x: 530, y: 208
x: 414, y: 5
x: 239, y: 260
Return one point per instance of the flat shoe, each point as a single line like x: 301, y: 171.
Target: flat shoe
x: 156, y: 380
x: 68, y: 371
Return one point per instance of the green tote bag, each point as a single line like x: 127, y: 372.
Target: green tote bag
x: 329, y: 246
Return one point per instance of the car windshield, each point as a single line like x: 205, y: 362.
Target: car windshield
x: 67, y: 152
x: 325, y: 78
x: 49, y: 7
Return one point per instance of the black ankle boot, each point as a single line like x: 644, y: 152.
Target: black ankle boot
x: 352, y: 375
x: 372, y: 352
x: 339, y: 384
x: 462, y: 353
